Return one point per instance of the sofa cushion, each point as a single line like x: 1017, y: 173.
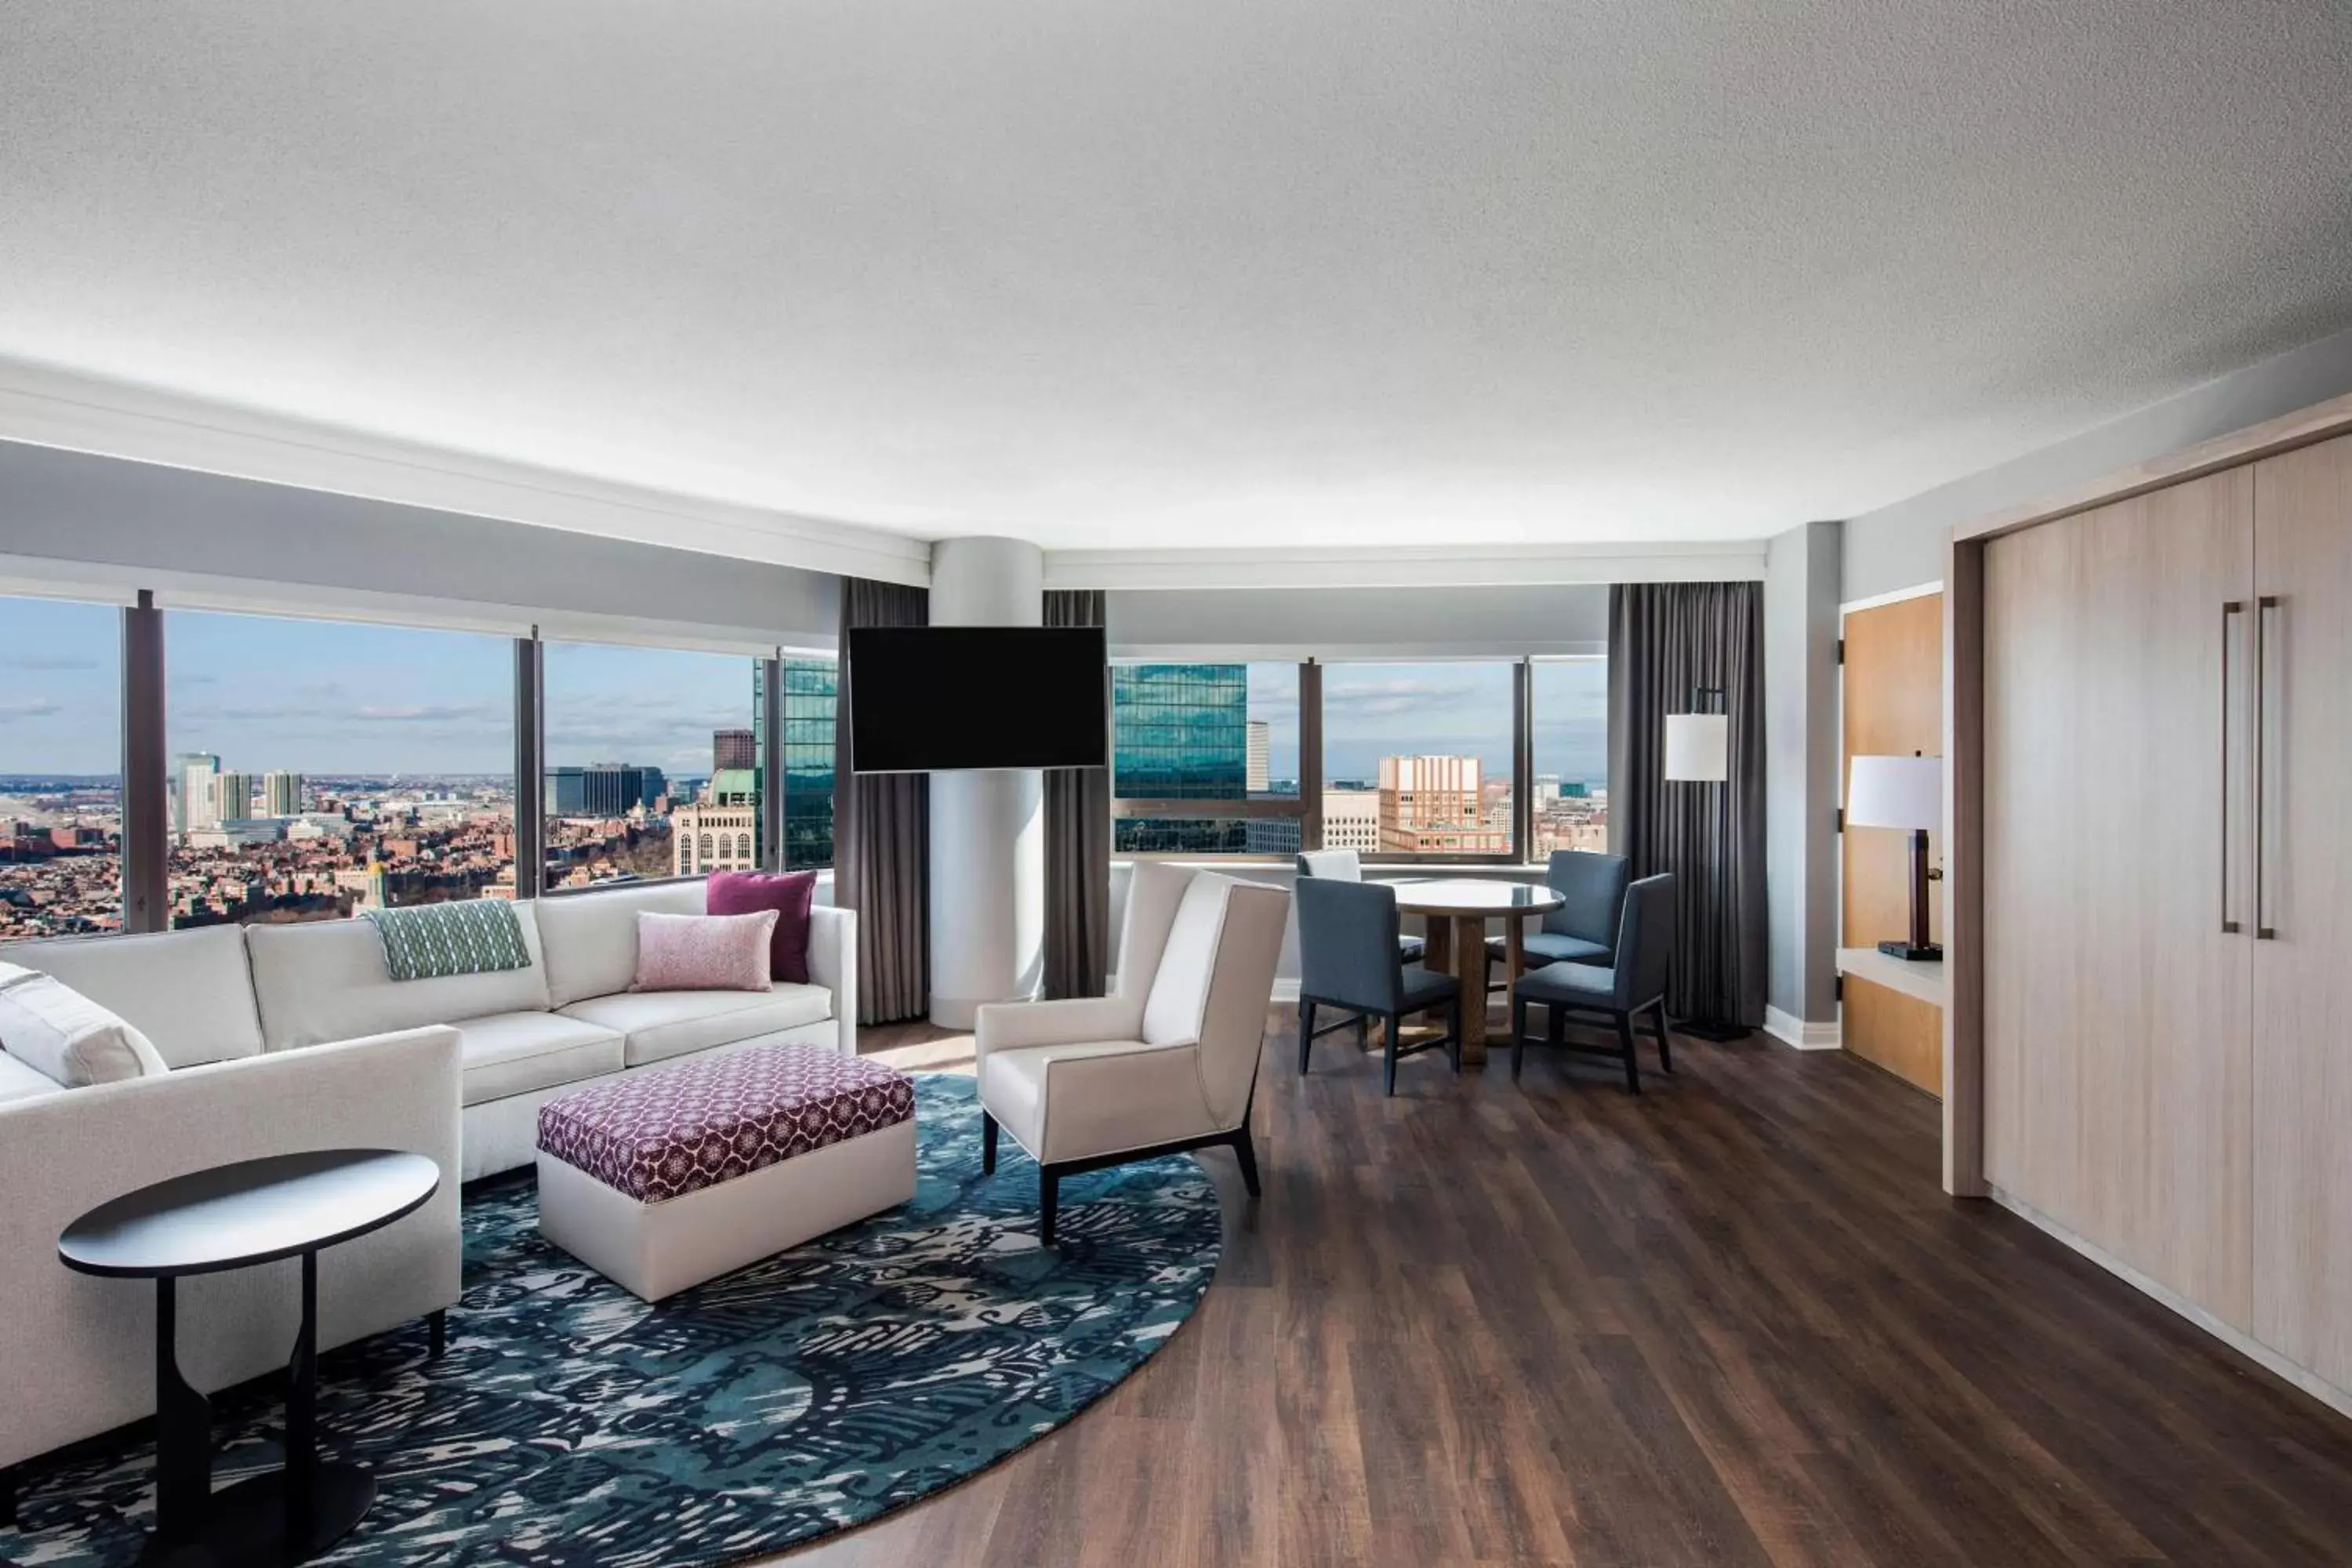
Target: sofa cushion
x: 327, y: 980
x: 703, y: 952
x: 189, y: 992
x: 18, y: 1081
x: 515, y: 1053
x: 664, y: 1024
x: 63, y: 1035
x: 591, y: 938
x: 789, y: 893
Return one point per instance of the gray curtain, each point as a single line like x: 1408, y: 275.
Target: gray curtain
x: 1077, y: 846
x: 1664, y: 638
x: 882, y: 835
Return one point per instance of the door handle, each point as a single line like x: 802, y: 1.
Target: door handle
x: 2230, y: 610
x: 2263, y: 930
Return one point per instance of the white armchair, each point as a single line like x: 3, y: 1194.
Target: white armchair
x: 1167, y: 1062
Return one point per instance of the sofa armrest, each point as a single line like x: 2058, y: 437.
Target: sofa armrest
x: 77, y: 1352
x: 832, y: 963
x: 1011, y: 1026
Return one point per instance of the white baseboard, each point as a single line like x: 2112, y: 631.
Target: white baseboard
x: 1791, y: 1030
x: 2310, y: 1382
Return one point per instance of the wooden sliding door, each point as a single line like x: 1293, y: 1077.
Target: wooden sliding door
x: 2115, y: 1005
x: 2303, y: 971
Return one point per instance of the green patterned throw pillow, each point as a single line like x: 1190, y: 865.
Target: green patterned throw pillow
x: 434, y: 940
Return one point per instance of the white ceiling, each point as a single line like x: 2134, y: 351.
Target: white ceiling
x: 1149, y: 273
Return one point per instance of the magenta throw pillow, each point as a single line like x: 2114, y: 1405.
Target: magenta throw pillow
x: 703, y: 952
x: 789, y: 893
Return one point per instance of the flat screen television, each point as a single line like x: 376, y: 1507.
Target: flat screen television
x: 930, y: 699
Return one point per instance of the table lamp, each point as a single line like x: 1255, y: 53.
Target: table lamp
x: 1908, y: 792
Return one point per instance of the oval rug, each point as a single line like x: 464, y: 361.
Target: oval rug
x: 570, y: 1423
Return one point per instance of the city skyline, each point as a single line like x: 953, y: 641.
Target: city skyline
x: 375, y: 702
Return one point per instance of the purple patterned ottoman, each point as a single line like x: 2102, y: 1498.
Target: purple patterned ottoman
x: 665, y: 1177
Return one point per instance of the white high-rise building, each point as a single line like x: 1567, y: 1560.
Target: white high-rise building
x: 193, y: 776
x: 232, y: 796
x: 1352, y: 819
x: 281, y: 794
x: 1261, y: 755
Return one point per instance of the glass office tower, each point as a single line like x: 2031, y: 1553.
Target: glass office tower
x: 1179, y: 731
x: 810, y: 689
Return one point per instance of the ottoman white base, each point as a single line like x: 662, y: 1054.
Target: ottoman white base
x: 659, y: 1249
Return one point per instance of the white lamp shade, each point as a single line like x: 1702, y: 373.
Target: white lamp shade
x: 1895, y: 792
x: 1698, y: 747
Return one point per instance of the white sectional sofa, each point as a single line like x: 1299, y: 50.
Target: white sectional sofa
x: 283, y: 1038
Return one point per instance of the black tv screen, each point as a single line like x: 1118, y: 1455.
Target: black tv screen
x: 927, y: 698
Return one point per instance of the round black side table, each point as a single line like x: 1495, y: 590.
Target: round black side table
x: 234, y: 1217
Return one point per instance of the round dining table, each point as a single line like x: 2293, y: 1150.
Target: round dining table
x: 1457, y: 909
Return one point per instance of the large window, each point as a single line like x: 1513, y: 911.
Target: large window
x: 1205, y: 759
x: 1570, y: 706
x: 60, y: 767
x: 1417, y: 758
x: 653, y: 760
x: 319, y: 768
x: 810, y: 688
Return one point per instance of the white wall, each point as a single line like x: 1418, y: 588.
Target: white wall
x: 1902, y: 545
x: 1287, y: 623
x: 203, y: 538
x: 1800, y: 759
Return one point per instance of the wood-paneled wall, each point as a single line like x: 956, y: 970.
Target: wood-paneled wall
x: 1893, y: 705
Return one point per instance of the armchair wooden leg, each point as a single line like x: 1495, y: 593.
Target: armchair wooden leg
x: 1246, y: 1156
x: 1665, y: 1052
x: 1625, y: 1048
x: 1518, y: 1032
x: 987, y: 1144
x: 1388, y: 1055
x: 1049, y: 1200
x: 436, y: 1333
x: 7, y: 1497
x: 1306, y: 1034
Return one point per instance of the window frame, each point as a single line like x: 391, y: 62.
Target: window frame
x: 1522, y: 773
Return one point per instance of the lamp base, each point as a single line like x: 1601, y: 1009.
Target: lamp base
x: 1707, y: 1029
x: 1929, y: 953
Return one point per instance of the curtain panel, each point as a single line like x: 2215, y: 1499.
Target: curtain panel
x: 1664, y: 640
x: 1077, y: 844
x: 882, y: 835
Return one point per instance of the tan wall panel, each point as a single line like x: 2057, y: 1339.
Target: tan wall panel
x: 1899, y: 1033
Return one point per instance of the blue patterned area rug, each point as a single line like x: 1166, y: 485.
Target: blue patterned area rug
x: 569, y: 1423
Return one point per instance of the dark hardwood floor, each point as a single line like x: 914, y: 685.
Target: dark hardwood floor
x: 1730, y: 1321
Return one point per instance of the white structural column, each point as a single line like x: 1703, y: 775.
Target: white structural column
x: 988, y: 828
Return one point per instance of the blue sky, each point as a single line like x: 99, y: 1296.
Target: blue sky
x: 1448, y: 708
x: 328, y: 696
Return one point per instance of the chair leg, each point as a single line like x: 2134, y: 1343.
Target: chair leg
x: 1555, y: 1025
x: 1665, y: 1052
x: 1625, y: 1048
x: 987, y: 1144
x: 1306, y: 1034
x: 1246, y: 1156
x: 1049, y: 1201
x: 1454, y: 1030
x: 1363, y: 1031
x: 437, y: 1332
x: 1388, y: 1056
x: 1518, y: 1033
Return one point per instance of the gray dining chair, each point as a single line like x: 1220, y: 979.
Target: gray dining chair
x: 1634, y: 984
x: 1347, y: 947
x: 1346, y: 866
x: 1584, y: 929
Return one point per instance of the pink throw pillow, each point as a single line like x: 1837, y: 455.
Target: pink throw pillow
x: 789, y: 893
x: 703, y: 952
